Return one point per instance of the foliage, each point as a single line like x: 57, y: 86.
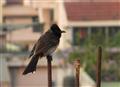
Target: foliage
x: 115, y: 41
x: 89, y: 56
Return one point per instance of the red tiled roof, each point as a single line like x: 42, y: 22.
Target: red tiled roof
x: 87, y: 11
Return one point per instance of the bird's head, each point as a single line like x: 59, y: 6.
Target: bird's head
x: 56, y: 30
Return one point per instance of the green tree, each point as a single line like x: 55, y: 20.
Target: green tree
x: 88, y: 56
x: 115, y: 41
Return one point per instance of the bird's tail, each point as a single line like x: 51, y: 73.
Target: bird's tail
x: 32, y: 65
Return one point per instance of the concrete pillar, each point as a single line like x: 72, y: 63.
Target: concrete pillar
x: 4, y: 72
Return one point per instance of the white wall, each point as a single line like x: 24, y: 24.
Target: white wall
x: 63, y: 23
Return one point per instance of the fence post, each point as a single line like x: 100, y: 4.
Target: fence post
x: 98, y: 69
x: 77, y: 67
x: 49, y: 59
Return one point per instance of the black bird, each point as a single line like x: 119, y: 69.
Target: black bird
x: 45, y: 46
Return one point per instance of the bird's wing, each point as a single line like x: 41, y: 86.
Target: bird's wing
x: 36, y: 46
x: 32, y: 51
x: 46, y: 42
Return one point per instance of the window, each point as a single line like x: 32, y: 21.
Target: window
x: 113, y: 31
x: 13, y: 2
x: 98, y: 29
x: 79, y: 35
x: 51, y: 15
x: 114, y: 36
x: 3, y: 42
x: 98, y: 35
x: 37, y: 27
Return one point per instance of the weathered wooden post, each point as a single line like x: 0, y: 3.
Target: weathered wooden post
x: 49, y: 59
x: 77, y: 67
x: 98, y: 69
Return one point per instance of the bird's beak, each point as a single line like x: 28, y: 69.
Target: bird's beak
x: 63, y: 32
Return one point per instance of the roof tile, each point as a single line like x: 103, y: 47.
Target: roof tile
x: 87, y: 11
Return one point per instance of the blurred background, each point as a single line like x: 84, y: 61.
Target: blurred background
x: 88, y: 23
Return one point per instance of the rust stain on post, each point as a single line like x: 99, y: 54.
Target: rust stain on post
x: 49, y: 59
x: 98, y: 74
x: 77, y: 67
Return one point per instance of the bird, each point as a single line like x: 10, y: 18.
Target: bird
x: 45, y: 46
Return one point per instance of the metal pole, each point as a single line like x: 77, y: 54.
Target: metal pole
x: 77, y: 67
x: 98, y: 74
x: 49, y: 59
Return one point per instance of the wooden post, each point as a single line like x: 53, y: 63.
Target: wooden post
x: 49, y: 59
x: 98, y: 74
x: 77, y: 67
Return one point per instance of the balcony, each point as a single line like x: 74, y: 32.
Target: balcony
x: 13, y: 50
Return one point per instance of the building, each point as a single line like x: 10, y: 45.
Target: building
x: 79, y: 17
x: 92, y: 16
x: 17, y: 14
x: 20, y: 15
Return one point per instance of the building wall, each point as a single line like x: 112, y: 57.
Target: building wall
x: 44, y: 14
x: 59, y: 17
x: 19, y: 15
x: 31, y: 80
x: 4, y: 75
x: 92, y: 0
x: 4, y: 84
x: 1, y: 12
